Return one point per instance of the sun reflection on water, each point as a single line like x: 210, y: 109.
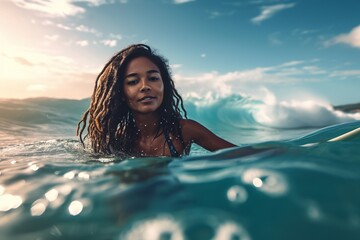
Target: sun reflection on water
x: 237, y: 194
x: 267, y: 181
x: 38, y: 207
x: 231, y: 230
x: 75, y: 207
x: 163, y: 227
x: 9, y: 201
x: 52, y: 195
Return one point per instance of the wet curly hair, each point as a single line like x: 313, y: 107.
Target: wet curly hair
x: 111, y: 126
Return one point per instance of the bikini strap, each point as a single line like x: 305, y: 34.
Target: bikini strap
x: 173, y: 151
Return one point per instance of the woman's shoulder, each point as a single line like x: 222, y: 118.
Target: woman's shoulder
x: 187, y: 124
x: 191, y: 129
x: 195, y: 132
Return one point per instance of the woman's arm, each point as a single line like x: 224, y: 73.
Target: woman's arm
x: 195, y: 132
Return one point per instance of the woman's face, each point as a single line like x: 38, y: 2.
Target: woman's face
x: 143, y: 86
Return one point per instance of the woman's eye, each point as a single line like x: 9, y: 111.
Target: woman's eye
x: 154, y: 78
x: 132, y: 82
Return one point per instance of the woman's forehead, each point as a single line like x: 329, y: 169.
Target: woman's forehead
x: 141, y: 64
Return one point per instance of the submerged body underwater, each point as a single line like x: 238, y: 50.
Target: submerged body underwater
x: 305, y: 187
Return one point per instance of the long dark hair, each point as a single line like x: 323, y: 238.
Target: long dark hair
x: 111, y: 126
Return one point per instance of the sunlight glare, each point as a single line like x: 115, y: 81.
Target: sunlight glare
x: 75, y: 207
x: 9, y: 201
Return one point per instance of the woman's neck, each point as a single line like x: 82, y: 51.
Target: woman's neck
x: 147, y: 124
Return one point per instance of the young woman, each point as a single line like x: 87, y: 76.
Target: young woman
x: 135, y: 109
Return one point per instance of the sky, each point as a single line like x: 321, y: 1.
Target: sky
x: 273, y: 50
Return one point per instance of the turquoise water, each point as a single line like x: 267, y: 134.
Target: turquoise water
x: 51, y: 188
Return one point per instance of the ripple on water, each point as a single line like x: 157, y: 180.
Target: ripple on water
x: 190, y: 224
x: 267, y: 181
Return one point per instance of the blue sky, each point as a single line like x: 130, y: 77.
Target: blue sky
x: 266, y: 49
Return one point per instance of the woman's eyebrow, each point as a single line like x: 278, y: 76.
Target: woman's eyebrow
x: 148, y: 72
x: 131, y: 75
x: 153, y: 71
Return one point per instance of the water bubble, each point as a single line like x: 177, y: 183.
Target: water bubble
x: 267, y: 181
x: 52, y: 195
x: 38, y: 207
x: 313, y: 211
x: 70, y: 175
x: 159, y: 228
x: 9, y: 201
x: 257, y: 182
x: 230, y: 231
x: 237, y: 194
x: 106, y: 159
x: 65, y: 189
x: 75, y: 207
x: 33, y: 166
x: 84, y: 175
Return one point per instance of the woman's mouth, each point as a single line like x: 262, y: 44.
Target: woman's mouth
x: 146, y: 99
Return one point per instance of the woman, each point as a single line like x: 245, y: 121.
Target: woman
x: 135, y: 109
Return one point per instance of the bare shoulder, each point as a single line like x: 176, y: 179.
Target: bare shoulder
x: 193, y: 131
x: 191, y: 128
x: 189, y: 124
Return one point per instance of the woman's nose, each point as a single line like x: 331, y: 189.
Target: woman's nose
x: 144, y: 87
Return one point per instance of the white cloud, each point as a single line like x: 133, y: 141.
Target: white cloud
x: 175, y: 66
x: 117, y: 36
x: 314, y: 70
x: 203, y: 55
x: 83, y: 43
x: 248, y: 80
x: 101, y: 2
x: 60, y: 8
x: 52, y: 37
x: 62, y: 26
x: 346, y: 73
x: 37, y: 87
x: 28, y: 72
x: 223, y: 84
x: 83, y: 28
x: 291, y: 63
x: 109, y: 42
x: 182, y: 1
x: 274, y: 39
x: 52, y: 8
x: 352, y: 38
x: 79, y: 28
x: 216, y: 14
x: 269, y: 11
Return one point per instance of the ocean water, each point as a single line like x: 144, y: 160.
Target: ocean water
x: 305, y: 187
